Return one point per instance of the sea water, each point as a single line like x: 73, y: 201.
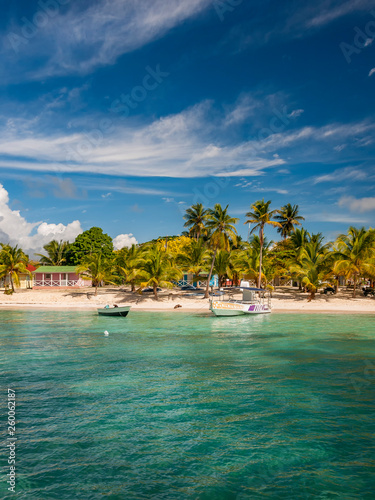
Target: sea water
x: 184, y: 406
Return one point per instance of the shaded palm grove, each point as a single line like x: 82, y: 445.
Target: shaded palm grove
x: 210, y: 246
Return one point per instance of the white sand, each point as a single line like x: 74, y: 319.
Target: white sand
x: 284, y: 300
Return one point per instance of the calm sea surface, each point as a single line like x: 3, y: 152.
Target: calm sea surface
x: 180, y: 406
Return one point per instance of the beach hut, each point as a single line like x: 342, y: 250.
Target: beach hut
x: 58, y: 277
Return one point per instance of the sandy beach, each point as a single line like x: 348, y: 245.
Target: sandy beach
x: 284, y: 300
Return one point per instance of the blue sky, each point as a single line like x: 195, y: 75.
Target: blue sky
x: 123, y: 113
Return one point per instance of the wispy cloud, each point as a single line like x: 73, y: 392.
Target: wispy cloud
x: 339, y: 175
x: 187, y: 144
x: 330, y: 11
x: 99, y: 32
x: 372, y: 71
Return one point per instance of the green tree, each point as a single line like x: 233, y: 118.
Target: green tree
x: 288, y: 217
x: 223, y: 265
x: 89, y: 242
x: 196, y: 217
x: 56, y: 253
x: 128, y: 262
x: 194, y: 259
x: 221, y: 233
x: 98, y: 269
x: 260, y: 217
x: 13, y: 262
x: 353, y: 254
x: 312, y: 267
x: 157, y: 269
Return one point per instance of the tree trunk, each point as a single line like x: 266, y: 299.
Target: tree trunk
x: 209, y: 276
x: 96, y: 289
x: 354, y: 285
x: 11, y: 281
x: 133, y: 286
x: 155, y: 288
x: 260, y: 257
x: 312, y: 295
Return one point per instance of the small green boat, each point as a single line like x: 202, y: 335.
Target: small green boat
x: 114, y: 311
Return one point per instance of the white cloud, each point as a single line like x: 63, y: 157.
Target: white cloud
x: 124, y: 240
x: 99, y: 32
x: 360, y: 205
x: 372, y: 71
x: 328, y: 13
x: 185, y: 145
x: 296, y: 113
x: 31, y: 237
x: 339, y: 175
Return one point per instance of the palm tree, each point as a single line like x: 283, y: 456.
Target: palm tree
x: 288, y: 218
x: 312, y: 266
x: 196, y: 217
x: 261, y: 216
x: 222, y: 231
x: 128, y: 262
x: 96, y: 268
x: 194, y: 259
x: 56, y: 253
x: 354, y: 251
x: 157, y: 269
x: 13, y: 262
x: 223, y: 265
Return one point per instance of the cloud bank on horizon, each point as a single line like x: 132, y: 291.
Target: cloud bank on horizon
x: 32, y: 236
x: 150, y: 99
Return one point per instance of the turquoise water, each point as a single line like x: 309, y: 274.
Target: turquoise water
x: 177, y: 406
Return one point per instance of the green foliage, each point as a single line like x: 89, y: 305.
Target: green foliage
x: 157, y: 269
x: 222, y: 233
x: 196, y: 218
x: 128, y: 262
x: 98, y: 269
x: 288, y: 217
x: 195, y: 258
x: 56, y: 253
x: 353, y: 254
x: 92, y: 241
x: 13, y: 262
x: 260, y: 217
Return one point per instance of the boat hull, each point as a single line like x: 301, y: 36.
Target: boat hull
x: 224, y: 308
x: 114, y: 311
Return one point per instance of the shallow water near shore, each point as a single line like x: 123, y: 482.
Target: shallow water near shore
x: 175, y: 406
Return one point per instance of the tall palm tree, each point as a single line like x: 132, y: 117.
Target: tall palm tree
x: 56, y: 251
x: 354, y: 251
x: 157, y: 269
x: 98, y: 269
x: 288, y: 218
x: 13, y: 262
x: 222, y: 231
x: 260, y: 217
x: 196, y: 217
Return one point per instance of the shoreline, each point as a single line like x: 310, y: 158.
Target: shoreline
x: 284, y: 301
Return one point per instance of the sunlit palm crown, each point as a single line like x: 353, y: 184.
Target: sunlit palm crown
x: 221, y: 227
x: 288, y: 217
x: 261, y: 215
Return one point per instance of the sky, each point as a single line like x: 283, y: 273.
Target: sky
x: 123, y: 113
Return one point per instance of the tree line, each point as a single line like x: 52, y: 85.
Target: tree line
x: 210, y: 245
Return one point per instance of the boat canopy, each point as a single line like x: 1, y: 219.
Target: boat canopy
x: 250, y: 288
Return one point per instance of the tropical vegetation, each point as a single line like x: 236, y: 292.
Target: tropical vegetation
x: 211, y: 247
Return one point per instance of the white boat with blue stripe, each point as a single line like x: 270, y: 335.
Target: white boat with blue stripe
x: 254, y: 301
